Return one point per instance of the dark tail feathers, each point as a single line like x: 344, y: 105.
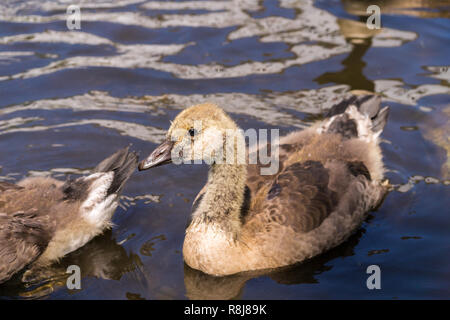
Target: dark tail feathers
x: 123, y: 163
x: 366, y: 104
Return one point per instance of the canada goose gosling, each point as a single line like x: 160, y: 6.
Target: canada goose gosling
x: 43, y: 219
x: 329, y: 177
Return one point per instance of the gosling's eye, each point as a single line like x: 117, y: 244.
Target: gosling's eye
x: 192, y: 132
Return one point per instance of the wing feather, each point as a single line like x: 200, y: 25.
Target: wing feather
x: 23, y: 238
x: 300, y: 197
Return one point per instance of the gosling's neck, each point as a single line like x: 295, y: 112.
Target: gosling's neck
x: 222, y: 202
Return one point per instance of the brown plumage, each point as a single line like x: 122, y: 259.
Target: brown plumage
x: 43, y: 219
x: 328, y: 177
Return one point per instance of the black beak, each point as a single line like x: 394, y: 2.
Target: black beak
x: 161, y: 155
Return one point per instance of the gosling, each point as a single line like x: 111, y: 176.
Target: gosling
x: 43, y: 219
x: 330, y: 175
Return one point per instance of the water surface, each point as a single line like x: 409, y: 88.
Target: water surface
x: 70, y: 98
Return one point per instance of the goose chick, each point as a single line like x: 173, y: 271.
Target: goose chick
x: 43, y: 219
x: 329, y: 177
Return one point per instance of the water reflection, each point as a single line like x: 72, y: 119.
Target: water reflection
x: 319, y: 38
x: 102, y: 258
x: 352, y: 71
x: 68, y: 98
x: 418, y: 8
x: 437, y: 130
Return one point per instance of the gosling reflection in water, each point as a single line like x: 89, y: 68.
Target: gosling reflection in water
x: 101, y: 258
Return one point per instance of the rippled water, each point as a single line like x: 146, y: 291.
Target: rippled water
x: 70, y: 98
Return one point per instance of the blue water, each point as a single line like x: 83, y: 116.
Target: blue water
x: 70, y: 98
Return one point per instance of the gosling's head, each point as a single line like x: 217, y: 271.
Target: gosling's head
x: 198, y: 133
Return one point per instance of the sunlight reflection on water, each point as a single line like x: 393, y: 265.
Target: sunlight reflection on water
x: 70, y: 97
